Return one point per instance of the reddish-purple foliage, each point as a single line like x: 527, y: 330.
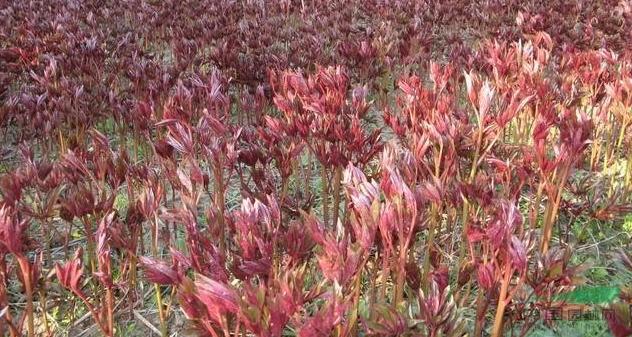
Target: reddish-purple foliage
x: 311, y: 167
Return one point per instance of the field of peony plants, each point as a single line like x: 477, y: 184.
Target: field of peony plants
x: 314, y: 168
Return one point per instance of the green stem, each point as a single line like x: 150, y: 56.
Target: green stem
x: 337, y: 179
x: 325, y: 195
x: 429, y: 246
x: 161, y: 313
x: 219, y: 199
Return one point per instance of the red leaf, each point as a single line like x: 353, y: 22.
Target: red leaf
x: 70, y: 273
x: 218, y: 298
x: 485, y: 275
x: 158, y: 271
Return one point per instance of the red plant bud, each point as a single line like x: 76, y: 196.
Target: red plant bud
x: 150, y: 200
x: 297, y: 244
x: 11, y: 187
x: 485, y: 97
x: 518, y: 254
x: 196, y: 174
x: 440, y: 276
x: 273, y: 207
x: 69, y: 274
x: 388, y: 223
x: 472, y: 84
x: 485, y: 275
x: 314, y: 227
x: 359, y: 101
x: 11, y: 231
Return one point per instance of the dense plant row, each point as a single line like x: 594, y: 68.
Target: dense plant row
x: 302, y: 168
x: 69, y: 64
